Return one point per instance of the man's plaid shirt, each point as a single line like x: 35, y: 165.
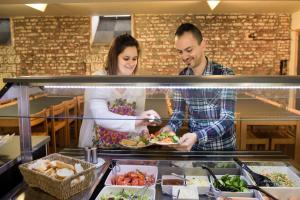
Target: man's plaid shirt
x: 211, y: 112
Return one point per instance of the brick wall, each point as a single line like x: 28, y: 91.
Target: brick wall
x: 51, y: 45
x: 96, y: 59
x: 228, y: 41
x: 61, y: 45
x: 9, y: 61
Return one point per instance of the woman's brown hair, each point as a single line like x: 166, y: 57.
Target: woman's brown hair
x: 117, y: 47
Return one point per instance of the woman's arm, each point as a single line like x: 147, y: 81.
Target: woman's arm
x: 110, y: 120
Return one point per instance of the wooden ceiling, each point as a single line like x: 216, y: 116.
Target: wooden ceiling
x: 10, y: 8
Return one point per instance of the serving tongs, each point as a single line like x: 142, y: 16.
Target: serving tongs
x: 141, y: 193
x: 154, y: 120
x: 219, y: 184
x: 259, y: 179
x: 254, y: 187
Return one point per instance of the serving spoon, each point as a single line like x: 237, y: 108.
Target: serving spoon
x: 259, y: 179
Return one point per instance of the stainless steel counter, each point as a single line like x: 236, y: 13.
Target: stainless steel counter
x: 10, y: 153
x: 163, y: 159
x: 10, y: 158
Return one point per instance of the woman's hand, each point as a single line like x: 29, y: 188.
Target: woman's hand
x: 166, y: 128
x: 147, y: 118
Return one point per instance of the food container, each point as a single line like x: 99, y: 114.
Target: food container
x: 200, y: 182
x: 238, y: 198
x: 217, y: 192
x: 216, y: 164
x: 185, y: 193
x: 123, y: 169
x: 257, y: 196
x: 61, y: 189
x: 168, y: 181
x: 146, y: 193
x: 282, y: 193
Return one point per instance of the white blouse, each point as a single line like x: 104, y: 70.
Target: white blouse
x: 96, y: 111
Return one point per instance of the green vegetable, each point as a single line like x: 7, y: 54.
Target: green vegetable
x: 233, y: 183
x: 175, y: 138
x: 124, y: 194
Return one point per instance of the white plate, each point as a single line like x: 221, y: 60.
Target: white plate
x: 115, y: 189
x: 100, y: 162
x: 135, y: 147
x: 163, y: 143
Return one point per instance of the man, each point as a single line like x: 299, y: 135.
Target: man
x: 210, y: 111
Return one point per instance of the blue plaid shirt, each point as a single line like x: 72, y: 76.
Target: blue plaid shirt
x: 211, y: 112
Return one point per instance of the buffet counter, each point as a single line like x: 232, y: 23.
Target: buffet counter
x: 10, y: 158
x: 165, y: 161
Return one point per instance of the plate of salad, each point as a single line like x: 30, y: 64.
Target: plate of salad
x: 126, y: 193
x: 136, y: 142
x: 164, y: 138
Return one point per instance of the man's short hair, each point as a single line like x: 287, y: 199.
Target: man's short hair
x: 188, y: 27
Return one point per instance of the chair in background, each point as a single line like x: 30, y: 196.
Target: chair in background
x: 80, y: 110
x: 39, y: 123
x: 39, y: 95
x: 256, y: 143
x: 284, y: 138
x: 71, y: 112
x: 59, y: 124
x: 8, y: 102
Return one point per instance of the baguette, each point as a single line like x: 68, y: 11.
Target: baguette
x: 61, y: 165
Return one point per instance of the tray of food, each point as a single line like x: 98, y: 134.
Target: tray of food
x: 168, y: 182
x: 132, y: 175
x: 58, y: 175
x: 200, y: 182
x: 125, y: 192
x: 287, y: 181
x: 164, y: 138
x: 136, y: 142
x: 236, y: 184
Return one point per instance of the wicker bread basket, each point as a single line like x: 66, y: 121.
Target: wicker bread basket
x: 61, y: 189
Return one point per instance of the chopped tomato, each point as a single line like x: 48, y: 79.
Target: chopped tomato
x: 141, y: 182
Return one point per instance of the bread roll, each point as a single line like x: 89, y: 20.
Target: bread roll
x: 64, y: 173
x: 78, y: 168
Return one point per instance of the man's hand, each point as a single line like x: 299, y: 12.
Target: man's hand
x: 186, y: 142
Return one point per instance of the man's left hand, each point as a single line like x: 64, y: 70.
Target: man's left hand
x: 186, y: 142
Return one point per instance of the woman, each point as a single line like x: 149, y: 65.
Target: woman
x: 113, y: 114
